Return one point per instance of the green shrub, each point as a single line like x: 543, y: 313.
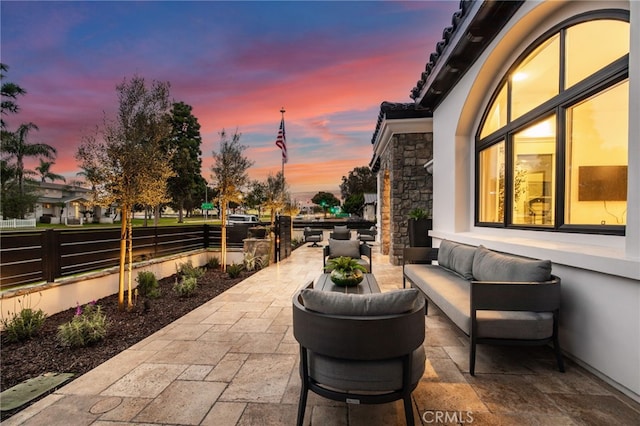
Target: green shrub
x: 213, y: 263
x: 186, y: 287
x: 252, y: 262
x: 23, y: 325
x: 188, y: 270
x: 148, y: 285
x: 88, y: 326
x: 234, y: 270
x: 297, y: 242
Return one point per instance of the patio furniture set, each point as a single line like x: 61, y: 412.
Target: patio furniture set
x: 340, y: 232
x: 361, y: 346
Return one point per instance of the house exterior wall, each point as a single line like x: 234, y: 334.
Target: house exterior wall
x: 404, y: 161
x: 600, y: 315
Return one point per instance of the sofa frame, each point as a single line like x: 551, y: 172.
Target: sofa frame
x: 494, y: 296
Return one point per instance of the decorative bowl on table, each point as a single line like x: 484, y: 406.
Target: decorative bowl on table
x: 345, y: 271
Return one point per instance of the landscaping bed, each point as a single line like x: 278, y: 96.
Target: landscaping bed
x: 44, y: 353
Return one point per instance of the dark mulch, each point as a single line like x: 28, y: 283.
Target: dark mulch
x: 43, y: 353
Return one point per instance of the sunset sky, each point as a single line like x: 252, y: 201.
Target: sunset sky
x: 329, y: 64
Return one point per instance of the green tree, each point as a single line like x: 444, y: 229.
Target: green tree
x: 185, y: 141
x: 360, y: 180
x: 126, y: 162
x: 229, y: 176
x: 354, y: 204
x: 326, y: 200
x: 275, y: 194
x: 256, y: 196
x: 9, y: 93
x: 44, y: 169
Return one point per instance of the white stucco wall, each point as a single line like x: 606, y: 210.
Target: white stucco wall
x: 66, y: 293
x: 600, y: 317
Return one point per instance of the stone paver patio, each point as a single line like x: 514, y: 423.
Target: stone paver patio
x: 234, y: 361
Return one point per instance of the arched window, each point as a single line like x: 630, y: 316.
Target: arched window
x: 551, y: 150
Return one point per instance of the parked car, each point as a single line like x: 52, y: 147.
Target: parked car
x: 242, y: 218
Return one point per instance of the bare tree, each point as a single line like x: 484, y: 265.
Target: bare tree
x: 126, y: 161
x: 229, y: 176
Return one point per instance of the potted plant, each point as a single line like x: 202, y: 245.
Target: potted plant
x: 345, y: 271
x: 419, y: 225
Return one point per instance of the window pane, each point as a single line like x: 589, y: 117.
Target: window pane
x: 534, y: 174
x: 491, y: 197
x: 597, y: 158
x: 593, y: 45
x: 536, y: 80
x: 497, y: 116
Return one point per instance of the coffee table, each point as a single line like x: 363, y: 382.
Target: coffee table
x: 367, y: 286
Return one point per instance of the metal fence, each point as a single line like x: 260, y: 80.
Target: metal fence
x: 44, y: 255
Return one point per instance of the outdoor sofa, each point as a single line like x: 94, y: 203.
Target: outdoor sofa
x: 494, y: 298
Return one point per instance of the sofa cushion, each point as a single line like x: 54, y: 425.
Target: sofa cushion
x: 347, y: 248
x: 457, y: 257
x: 491, y: 266
x: 334, y: 303
x: 340, y: 228
x: 447, y: 290
x: 515, y: 325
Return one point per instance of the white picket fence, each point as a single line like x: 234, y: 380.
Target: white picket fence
x: 17, y: 223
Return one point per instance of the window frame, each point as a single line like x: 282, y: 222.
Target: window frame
x: 597, y: 82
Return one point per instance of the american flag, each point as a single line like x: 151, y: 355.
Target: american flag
x: 281, y: 141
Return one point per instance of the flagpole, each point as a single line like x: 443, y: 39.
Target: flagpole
x: 282, y: 111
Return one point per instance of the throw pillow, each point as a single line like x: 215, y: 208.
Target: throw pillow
x: 444, y: 253
x: 334, y: 303
x: 461, y: 260
x: 457, y: 257
x: 491, y: 266
x: 347, y: 248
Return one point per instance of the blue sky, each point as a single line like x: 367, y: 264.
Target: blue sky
x: 329, y: 64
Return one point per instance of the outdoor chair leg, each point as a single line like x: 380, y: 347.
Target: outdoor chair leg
x: 556, y: 348
x: 302, y: 404
x: 304, y: 386
x: 472, y: 358
x: 408, y: 411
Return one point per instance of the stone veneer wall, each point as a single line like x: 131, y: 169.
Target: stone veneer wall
x: 410, y: 186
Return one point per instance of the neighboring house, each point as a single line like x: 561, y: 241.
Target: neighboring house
x: 369, y: 208
x: 530, y: 115
x: 62, y: 201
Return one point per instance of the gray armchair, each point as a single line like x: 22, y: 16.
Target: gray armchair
x: 367, y: 235
x: 313, y: 236
x: 340, y: 233
x: 366, y: 349
x: 350, y: 248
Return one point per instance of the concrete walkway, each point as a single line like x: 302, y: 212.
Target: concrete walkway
x: 234, y: 361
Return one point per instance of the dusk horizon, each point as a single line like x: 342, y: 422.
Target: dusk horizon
x: 328, y: 64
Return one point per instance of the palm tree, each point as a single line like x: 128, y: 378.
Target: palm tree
x: 45, y: 172
x: 9, y: 93
x: 16, y: 146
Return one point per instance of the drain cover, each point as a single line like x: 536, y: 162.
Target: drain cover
x: 30, y: 389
